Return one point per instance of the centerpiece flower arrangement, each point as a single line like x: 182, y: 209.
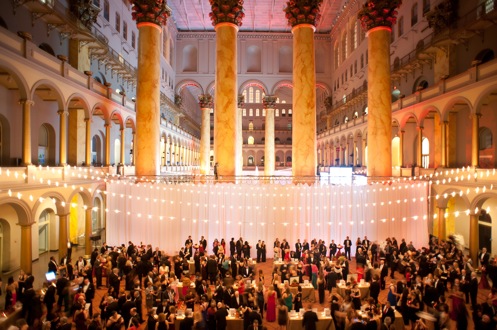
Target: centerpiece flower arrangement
x: 379, y: 13
x: 152, y: 11
x: 302, y: 12
x: 230, y: 11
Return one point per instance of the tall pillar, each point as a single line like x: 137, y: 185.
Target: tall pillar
x: 107, y: 144
x: 63, y: 137
x: 239, y: 135
x: 133, y: 149
x: 88, y: 230
x: 442, y: 226
x: 301, y: 15
x: 377, y: 17
x: 443, y: 162
x: 401, y: 147
x: 226, y: 17
x: 269, y: 151
x: 473, y: 237
x: 123, y: 144
x: 205, y: 102
x: 88, y: 142
x: 150, y: 16
x: 475, y: 148
x: 27, y: 249
x: 354, y: 152
x: 26, y: 131
x: 419, y: 154
x: 63, y: 237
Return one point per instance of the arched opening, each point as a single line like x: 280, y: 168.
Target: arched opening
x: 396, y: 159
x: 44, y: 232
x: 485, y: 144
x: 250, y: 140
x: 250, y: 161
x: 96, y: 150
x: 425, y: 153
x: 4, y: 142
x: 4, y: 245
x: 420, y: 84
x: 46, y: 47
x: 46, y: 145
x: 117, y: 151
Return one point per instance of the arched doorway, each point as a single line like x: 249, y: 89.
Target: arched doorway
x: 44, y: 231
x: 96, y: 150
x: 4, y: 245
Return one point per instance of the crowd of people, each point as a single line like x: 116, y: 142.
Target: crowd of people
x: 199, y: 286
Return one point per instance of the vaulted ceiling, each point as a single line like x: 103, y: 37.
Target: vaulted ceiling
x: 260, y: 15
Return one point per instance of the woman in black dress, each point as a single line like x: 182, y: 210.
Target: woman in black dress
x: 297, y: 300
x: 263, y: 247
x: 282, y: 314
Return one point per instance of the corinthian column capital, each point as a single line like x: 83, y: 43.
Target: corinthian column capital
x: 150, y: 11
x: 205, y: 101
x: 226, y: 11
x: 303, y: 12
x: 269, y: 101
x: 379, y: 13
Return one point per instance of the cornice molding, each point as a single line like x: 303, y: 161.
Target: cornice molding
x: 247, y: 35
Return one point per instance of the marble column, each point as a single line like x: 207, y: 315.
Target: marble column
x: 302, y: 16
x: 475, y: 142
x: 205, y: 102
x: 107, y: 144
x: 88, y: 142
x: 401, y: 147
x: 133, y: 149
x: 88, y: 231
x: 354, y: 160
x: 419, y: 154
x: 378, y: 24
x: 226, y: 17
x: 63, y: 137
x: 26, y: 131
x: 150, y: 17
x: 63, y: 235
x: 442, y: 226
x: 443, y: 162
x: 27, y: 249
x: 269, y: 150
x: 473, y: 237
x: 304, y: 154
x: 239, y: 135
x: 123, y: 145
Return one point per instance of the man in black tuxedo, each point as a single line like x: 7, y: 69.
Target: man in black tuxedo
x: 245, y: 271
x: 49, y: 298
x: 88, y: 289
x: 115, y: 280
x: 212, y: 269
x: 188, y: 240
x: 220, y: 316
x: 232, y: 247
x: 483, y: 257
x: 203, y: 242
x: 387, y: 311
x: 258, y: 248
x: 366, y: 243
x: 360, y: 257
x: 383, y: 273
x: 298, y: 249
x: 333, y: 249
x: 126, y: 310
x: 473, y: 289
x: 347, y: 243
x: 236, y: 300
x: 52, y: 266
x: 305, y: 246
x: 309, y: 319
x: 239, y: 245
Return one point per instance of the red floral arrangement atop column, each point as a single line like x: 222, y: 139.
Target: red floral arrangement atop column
x: 230, y: 11
x: 302, y: 12
x: 205, y: 101
x: 379, y: 13
x: 269, y: 101
x: 151, y: 11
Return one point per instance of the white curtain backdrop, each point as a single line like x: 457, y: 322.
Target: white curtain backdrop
x: 165, y: 214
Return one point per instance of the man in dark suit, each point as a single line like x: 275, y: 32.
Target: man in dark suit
x: 309, y: 319
x: 245, y: 271
x: 126, y: 310
x: 52, y: 266
x: 89, y: 290
x: 347, y: 243
x: 232, y: 246
x: 254, y: 316
x: 115, y: 280
x: 188, y: 240
x: 49, y: 298
x: 212, y: 269
x: 374, y: 288
x: 333, y: 249
x: 256, y: 325
x: 473, y: 289
x: 236, y: 300
x: 305, y: 245
x: 220, y: 316
x: 383, y: 273
x: 258, y: 248
x: 298, y: 249
x: 187, y: 322
x: 387, y: 311
x: 203, y: 242
x: 483, y: 257
x: 366, y: 243
x: 239, y: 245
x: 360, y: 257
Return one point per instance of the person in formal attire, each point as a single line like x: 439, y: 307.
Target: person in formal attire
x: 263, y: 247
x: 232, y: 247
x: 258, y: 250
x: 220, y: 316
x: 216, y: 166
x: 298, y: 249
x: 473, y: 289
x: 387, y: 311
x: 347, y: 244
x: 333, y: 249
x: 282, y: 314
x: 53, y: 267
x: 310, y: 319
x: 483, y: 257
x: 187, y: 322
x: 256, y: 325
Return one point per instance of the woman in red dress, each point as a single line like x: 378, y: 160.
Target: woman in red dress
x: 271, y: 305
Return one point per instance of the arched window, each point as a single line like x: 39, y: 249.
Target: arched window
x: 277, y: 141
x: 290, y: 112
x: 425, y: 153
x: 283, y: 113
x: 485, y: 138
x: 46, y: 47
x: 251, y: 126
x: 289, y: 140
x: 257, y: 112
x: 250, y: 161
x: 251, y: 112
x: 263, y: 112
x: 344, y: 46
x: 420, y: 84
x: 251, y: 95
x: 257, y: 96
x: 250, y: 140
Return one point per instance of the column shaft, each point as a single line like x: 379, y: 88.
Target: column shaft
x: 63, y: 235
x: 401, y: 148
x: 88, y: 142
x: 123, y: 145
x: 304, y: 153
x: 269, y: 160
x: 226, y: 97
x: 63, y: 137
x: 443, y: 162
x: 27, y: 249
x: 475, y: 141
x: 419, y: 155
x: 379, y: 103
x: 239, y: 142
x: 147, y: 143
x: 442, y: 226
x: 205, y: 141
x: 88, y: 231
x: 107, y: 144
x: 26, y: 131
x: 473, y: 237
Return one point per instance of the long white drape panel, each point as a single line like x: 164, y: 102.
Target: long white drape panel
x: 165, y: 214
